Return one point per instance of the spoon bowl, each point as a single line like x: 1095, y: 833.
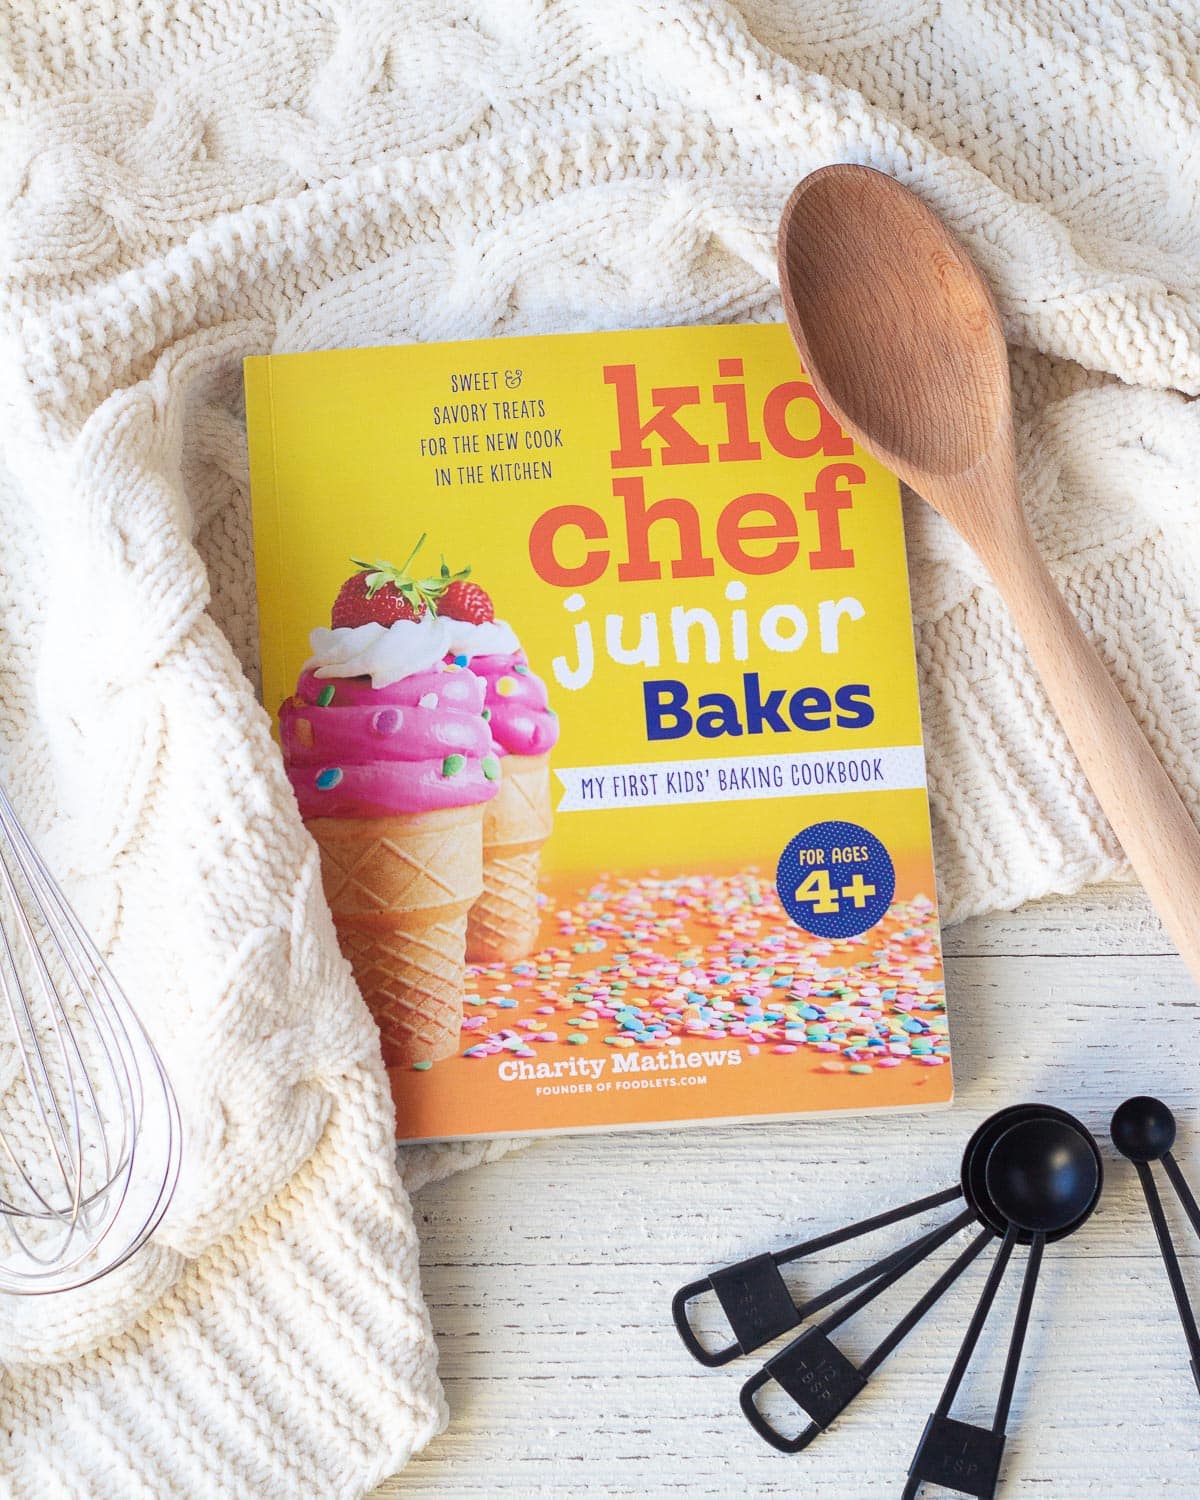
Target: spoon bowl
x: 942, y: 398
x: 1042, y: 1137
x: 1044, y: 1176
x: 1143, y: 1129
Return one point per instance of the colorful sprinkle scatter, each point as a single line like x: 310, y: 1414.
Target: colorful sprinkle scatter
x: 506, y: 686
x: 327, y: 779
x: 453, y: 764
x: 658, y: 963
x: 326, y: 695
x: 490, y: 767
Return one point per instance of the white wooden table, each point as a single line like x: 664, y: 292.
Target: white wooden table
x: 549, y: 1274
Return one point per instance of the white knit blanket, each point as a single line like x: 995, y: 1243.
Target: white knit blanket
x: 185, y: 182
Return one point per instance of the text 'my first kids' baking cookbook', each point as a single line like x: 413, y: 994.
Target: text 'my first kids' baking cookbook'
x: 591, y: 660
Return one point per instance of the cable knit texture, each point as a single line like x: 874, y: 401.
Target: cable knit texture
x: 185, y: 182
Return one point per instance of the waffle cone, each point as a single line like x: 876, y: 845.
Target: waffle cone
x: 400, y: 889
x: 503, y: 923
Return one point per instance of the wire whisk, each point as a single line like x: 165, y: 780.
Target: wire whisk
x: 89, y: 1125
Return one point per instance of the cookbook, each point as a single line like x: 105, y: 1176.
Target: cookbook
x: 591, y: 662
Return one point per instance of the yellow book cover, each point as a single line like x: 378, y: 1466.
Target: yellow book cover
x: 592, y: 664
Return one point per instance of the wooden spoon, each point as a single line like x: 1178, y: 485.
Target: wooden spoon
x: 900, y: 336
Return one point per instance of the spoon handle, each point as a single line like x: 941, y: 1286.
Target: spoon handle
x: 1138, y: 797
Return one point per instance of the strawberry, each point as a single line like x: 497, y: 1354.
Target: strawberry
x: 381, y: 594
x: 358, y: 604
x: 466, y: 601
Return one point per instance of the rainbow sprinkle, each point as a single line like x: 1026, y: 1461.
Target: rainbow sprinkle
x: 658, y: 962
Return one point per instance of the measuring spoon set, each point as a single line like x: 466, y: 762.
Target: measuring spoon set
x: 1030, y: 1176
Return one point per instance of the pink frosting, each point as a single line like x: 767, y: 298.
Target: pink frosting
x: 371, y: 752
x: 522, y: 721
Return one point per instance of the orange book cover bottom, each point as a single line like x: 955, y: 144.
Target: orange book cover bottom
x: 668, y: 998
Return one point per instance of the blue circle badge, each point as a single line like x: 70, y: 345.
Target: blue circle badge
x: 835, y: 880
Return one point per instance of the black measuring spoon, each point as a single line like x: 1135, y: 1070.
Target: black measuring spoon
x: 754, y: 1297
x: 819, y: 1377
x: 1143, y: 1130
x: 1041, y: 1179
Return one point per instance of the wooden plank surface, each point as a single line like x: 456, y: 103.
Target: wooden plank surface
x: 549, y: 1274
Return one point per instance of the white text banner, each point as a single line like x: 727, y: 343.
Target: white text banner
x: 742, y: 778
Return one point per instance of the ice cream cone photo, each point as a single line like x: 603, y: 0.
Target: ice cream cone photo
x: 400, y: 889
x: 416, y: 719
x: 389, y: 752
x: 504, y: 921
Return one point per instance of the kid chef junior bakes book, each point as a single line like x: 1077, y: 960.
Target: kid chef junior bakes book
x: 592, y: 665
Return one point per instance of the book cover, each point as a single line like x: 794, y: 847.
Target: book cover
x: 592, y: 664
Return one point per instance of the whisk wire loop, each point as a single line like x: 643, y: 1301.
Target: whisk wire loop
x: 89, y: 1124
